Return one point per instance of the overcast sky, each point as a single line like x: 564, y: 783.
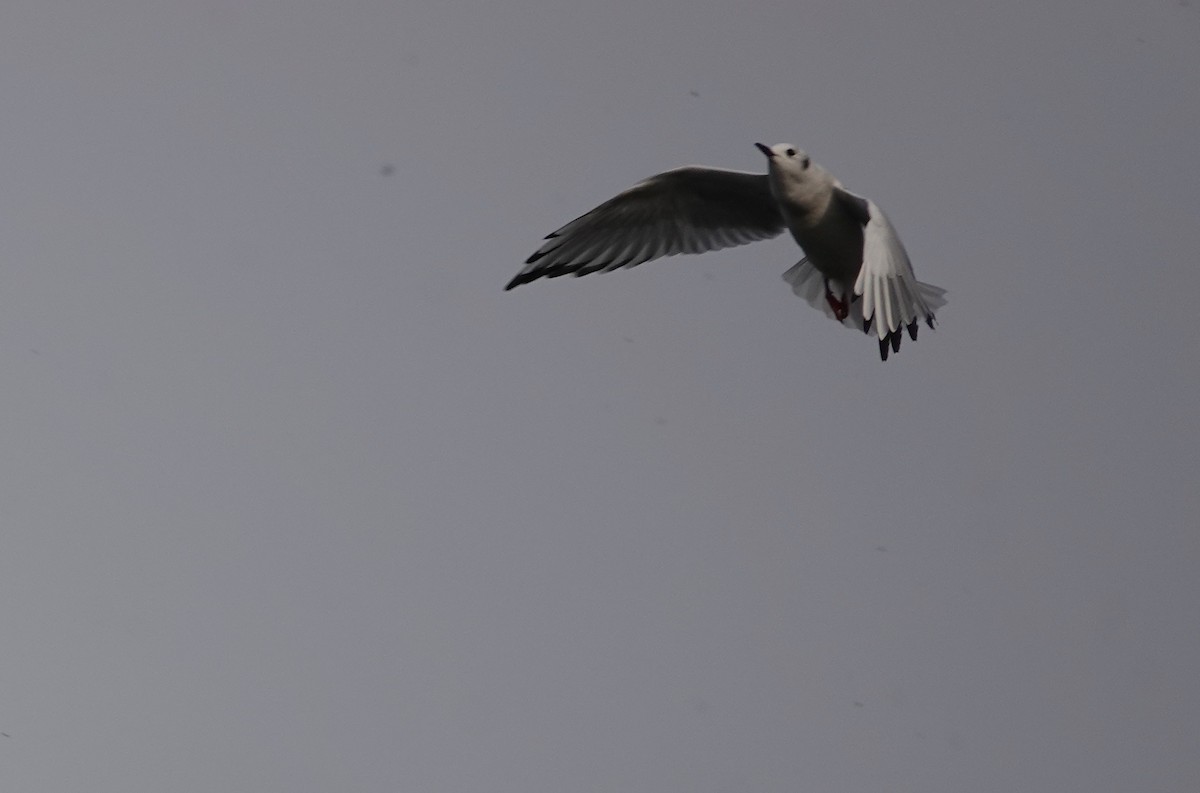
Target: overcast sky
x: 294, y: 498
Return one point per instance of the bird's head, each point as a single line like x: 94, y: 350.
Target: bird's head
x: 785, y: 157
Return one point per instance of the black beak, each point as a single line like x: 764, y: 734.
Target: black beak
x: 765, y: 149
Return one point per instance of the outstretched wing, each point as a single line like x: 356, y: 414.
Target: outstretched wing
x: 892, y: 297
x: 687, y: 210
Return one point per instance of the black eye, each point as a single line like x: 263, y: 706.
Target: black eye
x: 791, y: 152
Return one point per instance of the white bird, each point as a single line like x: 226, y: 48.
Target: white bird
x: 854, y: 268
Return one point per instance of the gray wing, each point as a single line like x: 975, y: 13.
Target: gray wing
x: 687, y: 210
x: 892, y: 297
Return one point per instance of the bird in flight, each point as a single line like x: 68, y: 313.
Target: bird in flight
x: 854, y: 268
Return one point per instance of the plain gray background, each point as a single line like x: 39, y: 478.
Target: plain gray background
x: 295, y: 498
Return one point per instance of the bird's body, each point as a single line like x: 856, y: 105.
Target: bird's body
x: 855, y: 268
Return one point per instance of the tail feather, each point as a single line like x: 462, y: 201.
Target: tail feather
x: 934, y: 296
x: 808, y: 282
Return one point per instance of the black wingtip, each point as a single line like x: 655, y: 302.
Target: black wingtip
x: 883, y: 349
x: 522, y: 278
x: 553, y: 271
x: 912, y: 330
x: 867, y: 324
x: 929, y: 320
x: 895, y: 337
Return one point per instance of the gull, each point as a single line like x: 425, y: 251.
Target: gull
x: 854, y: 268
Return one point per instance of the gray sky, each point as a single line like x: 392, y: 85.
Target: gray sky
x: 294, y: 498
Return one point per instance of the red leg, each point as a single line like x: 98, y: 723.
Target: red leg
x: 841, y: 309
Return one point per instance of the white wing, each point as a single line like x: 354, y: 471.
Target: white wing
x: 887, y: 294
x: 892, y: 297
x: 687, y: 210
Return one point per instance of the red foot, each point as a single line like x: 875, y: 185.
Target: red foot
x: 841, y: 310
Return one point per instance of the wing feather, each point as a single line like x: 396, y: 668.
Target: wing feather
x: 892, y: 297
x: 687, y: 210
